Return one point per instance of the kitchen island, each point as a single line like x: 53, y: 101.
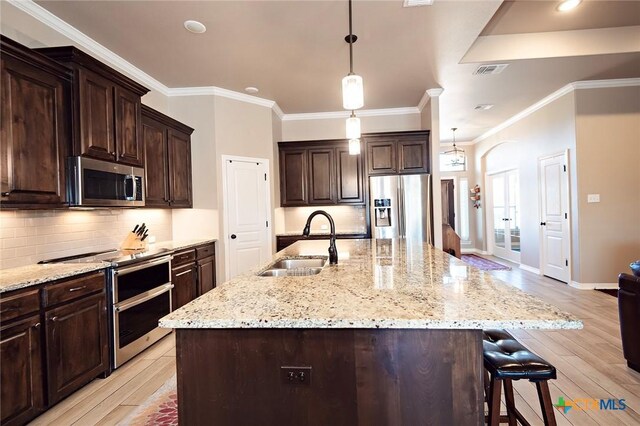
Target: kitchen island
x: 390, y: 335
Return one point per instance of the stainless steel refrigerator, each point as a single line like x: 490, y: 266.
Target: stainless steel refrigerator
x: 401, y: 207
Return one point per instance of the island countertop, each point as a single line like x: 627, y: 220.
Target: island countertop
x: 376, y: 284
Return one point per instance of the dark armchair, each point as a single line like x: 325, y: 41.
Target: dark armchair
x: 629, y: 308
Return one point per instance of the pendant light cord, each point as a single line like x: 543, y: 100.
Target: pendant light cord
x: 350, y: 42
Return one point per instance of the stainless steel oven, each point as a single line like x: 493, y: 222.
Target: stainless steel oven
x: 95, y: 183
x: 141, y: 295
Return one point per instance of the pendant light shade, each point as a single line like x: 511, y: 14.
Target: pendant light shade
x: 456, y: 155
x: 354, y: 146
x: 353, y: 127
x: 352, y: 92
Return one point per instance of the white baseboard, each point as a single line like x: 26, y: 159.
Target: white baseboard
x: 529, y: 269
x: 473, y: 251
x: 594, y: 286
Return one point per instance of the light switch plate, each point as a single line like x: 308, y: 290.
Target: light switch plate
x: 593, y: 198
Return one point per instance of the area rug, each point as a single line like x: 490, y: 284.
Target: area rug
x: 484, y: 264
x: 161, y: 409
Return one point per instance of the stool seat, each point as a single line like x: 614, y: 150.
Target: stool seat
x: 506, y: 358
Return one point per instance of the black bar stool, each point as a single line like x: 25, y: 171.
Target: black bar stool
x: 506, y: 359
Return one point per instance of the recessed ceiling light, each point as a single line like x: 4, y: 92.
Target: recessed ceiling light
x: 195, y: 27
x: 251, y: 89
x: 568, y: 5
x: 483, y: 107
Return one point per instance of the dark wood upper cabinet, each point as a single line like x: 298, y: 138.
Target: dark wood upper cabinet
x: 106, y: 116
x: 21, y: 376
x: 397, y: 152
x: 322, y: 187
x: 35, y: 128
x: 77, y: 348
x: 294, y: 177
x: 381, y: 157
x: 167, y: 160
x: 350, y: 177
x: 180, y: 169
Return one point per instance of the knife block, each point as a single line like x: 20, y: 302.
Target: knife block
x: 132, y: 242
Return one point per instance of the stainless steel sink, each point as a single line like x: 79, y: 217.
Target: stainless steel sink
x: 295, y: 267
x: 299, y: 263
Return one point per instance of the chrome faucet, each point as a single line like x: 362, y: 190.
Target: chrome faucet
x: 333, y: 252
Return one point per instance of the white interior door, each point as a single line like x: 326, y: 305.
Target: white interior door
x: 554, y: 221
x: 504, y: 220
x: 247, y: 207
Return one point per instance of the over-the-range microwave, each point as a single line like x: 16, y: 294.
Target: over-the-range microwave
x: 96, y: 183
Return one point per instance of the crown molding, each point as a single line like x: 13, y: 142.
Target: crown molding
x: 218, y: 91
x: 88, y: 44
x: 577, y: 85
x: 278, y: 111
x: 424, y: 100
x: 346, y: 114
x: 434, y: 93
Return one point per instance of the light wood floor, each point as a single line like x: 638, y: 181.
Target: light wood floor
x: 589, y: 362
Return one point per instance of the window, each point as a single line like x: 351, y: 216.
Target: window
x: 447, y: 163
x: 464, y: 209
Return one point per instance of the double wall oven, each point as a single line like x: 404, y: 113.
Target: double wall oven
x: 139, y: 294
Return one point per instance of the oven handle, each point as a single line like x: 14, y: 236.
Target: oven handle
x: 123, y: 271
x: 141, y: 298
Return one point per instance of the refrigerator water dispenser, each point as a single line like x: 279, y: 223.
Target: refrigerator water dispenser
x: 382, y: 208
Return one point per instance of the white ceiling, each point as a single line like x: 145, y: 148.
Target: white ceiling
x: 294, y: 51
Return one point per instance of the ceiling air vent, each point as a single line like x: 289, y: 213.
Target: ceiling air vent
x: 483, y: 107
x: 487, y: 69
x: 414, y: 3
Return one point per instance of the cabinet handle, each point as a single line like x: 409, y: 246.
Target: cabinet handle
x: 182, y: 273
x: 54, y: 319
x: 5, y: 194
x: 36, y: 325
x: 77, y: 288
x: 113, y: 153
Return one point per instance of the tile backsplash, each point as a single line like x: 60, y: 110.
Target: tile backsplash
x: 27, y: 237
x: 346, y: 218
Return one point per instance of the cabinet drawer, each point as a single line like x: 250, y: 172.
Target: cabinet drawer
x: 73, y: 289
x: 183, y: 257
x: 205, y: 251
x: 18, y: 304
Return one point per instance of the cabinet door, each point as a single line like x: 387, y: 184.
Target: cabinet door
x: 293, y: 177
x: 350, y: 177
x: 184, y: 285
x: 206, y: 274
x: 322, y: 176
x: 179, y: 169
x: 413, y: 156
x: 156, y: 181
x: 381, y: 157
x: 97, y: 139
x: 21, y: 379
x: 127, y: 124
x: 34, y: 137
x: 76, y: 344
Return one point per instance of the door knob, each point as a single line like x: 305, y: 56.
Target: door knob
x: 543, y: 223
x: 233, y: 236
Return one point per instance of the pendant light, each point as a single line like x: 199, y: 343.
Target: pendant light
x: 352, y: 86
x: 456, y: 154
x: 352, y: 95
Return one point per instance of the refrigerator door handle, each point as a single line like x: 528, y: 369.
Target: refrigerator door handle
x: 401, y: 211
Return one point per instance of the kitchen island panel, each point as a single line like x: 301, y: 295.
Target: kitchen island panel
x: 358, y: 376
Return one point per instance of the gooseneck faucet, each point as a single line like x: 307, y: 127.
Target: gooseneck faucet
x: 333, y: 252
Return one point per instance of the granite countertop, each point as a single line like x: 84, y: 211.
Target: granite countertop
x: 376, y: 284
x: 30, y: 275
x: 323, y: 232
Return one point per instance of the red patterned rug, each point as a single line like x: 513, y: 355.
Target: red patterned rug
x: 161, y: 409
x: 484, y: 264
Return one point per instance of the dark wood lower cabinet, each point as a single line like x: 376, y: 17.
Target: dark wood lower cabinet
x: 206, y: 274
x: 354, y: 377
x: 77, y: 348
x: 21, y: 375
x: 184, y: 280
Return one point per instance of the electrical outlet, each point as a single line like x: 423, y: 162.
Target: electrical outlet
x: 299, y: 376
x: 593, y: 198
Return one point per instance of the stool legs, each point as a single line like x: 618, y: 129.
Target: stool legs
x: 509, y: 400
x: 545, y: 403
x: 494, y: 401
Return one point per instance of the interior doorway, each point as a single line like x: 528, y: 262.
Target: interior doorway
x: 555, y: 238
x: 448, y: 202
x: 503, y: 214
x: 247, y: 213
